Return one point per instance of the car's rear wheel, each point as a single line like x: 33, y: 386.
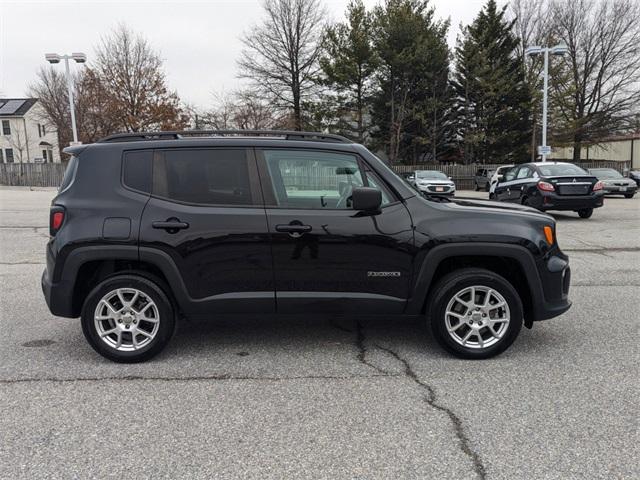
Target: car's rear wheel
x: 487, y: 186
x: 477, y: 187
x: 128, y: 318
x: 585, y: 212
x: 475, y: 313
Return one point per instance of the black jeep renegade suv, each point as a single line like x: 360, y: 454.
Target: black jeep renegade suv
x: 151, y: 228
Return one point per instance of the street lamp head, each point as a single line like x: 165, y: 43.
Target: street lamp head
x: 559, y: 49
x: 533, y: 50
x: 52, y: 57
x: 79, y: 57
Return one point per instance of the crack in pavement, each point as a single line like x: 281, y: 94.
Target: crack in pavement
x: 362, y: 350
x: 224, y: 377
x: 431, y: 399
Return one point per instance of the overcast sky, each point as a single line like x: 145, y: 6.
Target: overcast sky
x: 198, y: 40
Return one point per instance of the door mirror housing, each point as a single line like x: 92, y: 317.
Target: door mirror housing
x: 500, y: 177
x: 366, y: 199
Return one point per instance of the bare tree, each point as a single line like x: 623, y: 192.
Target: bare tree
x: 50, y: 88
x: 280, y: 57
x: 131, y: 76
x: 253, y: 113
x: 599, y: 94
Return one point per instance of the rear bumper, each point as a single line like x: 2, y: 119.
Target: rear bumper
x: 553, y: 201
x: 58, y: 296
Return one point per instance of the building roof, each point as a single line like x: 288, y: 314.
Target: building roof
x: 16, y: 106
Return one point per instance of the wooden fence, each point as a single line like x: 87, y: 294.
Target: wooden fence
x: 32, y: 174
x: 50, y: 174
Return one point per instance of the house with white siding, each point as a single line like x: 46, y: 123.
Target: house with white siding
x: 25, y: 135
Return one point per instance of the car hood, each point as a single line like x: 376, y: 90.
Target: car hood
x: 496, y: 206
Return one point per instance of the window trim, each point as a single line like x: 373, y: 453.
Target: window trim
x: 270, y: 199
x: 254, y: 183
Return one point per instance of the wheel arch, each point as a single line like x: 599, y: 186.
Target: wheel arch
x: 513, y: 262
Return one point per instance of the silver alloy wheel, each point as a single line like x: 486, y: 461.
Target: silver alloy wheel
x: 126, y: 319
x: 477, y: 317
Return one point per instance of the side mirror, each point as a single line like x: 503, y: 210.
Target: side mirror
x: 366, y: 199
x: 450, y: 178
x: 500, y: 177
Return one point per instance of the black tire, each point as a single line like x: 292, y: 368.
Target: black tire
x: 477, y: 187
x: 585, y: 212
x: 487, y: 186
x: 166, y: 323
x: 629, y: 195
x: 453, y: 283
x: 492, y: 196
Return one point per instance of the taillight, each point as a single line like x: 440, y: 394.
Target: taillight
x: 56, y: 219
x: 546, y: 187
x: 598, y: 186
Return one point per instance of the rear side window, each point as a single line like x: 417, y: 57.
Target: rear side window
x: 69, y: 174
x: 203, y: 176
x: 136, y: 170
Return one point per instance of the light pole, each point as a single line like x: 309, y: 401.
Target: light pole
x: 79, y: 58
x: 560, y: 49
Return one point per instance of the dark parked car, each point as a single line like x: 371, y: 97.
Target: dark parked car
x: 551, y: 186
x: 482, y: 179
x: 150, y: 229
x: 614, y: 183
x: 635, y: 176
x: 434, y: 182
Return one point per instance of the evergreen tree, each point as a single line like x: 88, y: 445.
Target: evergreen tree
x: 411, y: 96
x: 348, y: 65
x: 492, y: 108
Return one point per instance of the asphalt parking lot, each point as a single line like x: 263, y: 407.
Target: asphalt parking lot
x: 326, y: 398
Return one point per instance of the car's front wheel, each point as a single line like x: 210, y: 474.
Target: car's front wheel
x: 128, y: 318
x: 629, y: 195
x: 475, y: 313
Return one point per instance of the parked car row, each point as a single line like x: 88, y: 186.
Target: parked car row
x: 541, y: 185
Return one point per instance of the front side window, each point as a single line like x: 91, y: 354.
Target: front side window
x: 510, y: 175
x: 203, y: 176
x: 313, y: 179
x: 6, y: 127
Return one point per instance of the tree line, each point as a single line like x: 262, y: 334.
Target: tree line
x: 386, y: 77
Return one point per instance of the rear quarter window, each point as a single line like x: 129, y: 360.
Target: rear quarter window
x: 136, y: 170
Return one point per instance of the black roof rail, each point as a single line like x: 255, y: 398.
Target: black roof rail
x: 176, y: 135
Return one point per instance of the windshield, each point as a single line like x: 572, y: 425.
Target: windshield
x: 431, y: 174
x: 557, y: 169
x: 603, y: 173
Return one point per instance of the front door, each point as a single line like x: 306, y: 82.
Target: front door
x: 328, y: 257
x: 206, y: 213
x: 503, y: 188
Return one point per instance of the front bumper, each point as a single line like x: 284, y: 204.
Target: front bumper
x: 556, y: 279
x: 553, y: 201
x: 620, y: 189
x: 440, y: 190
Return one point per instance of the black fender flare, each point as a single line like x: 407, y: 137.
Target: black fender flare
x: 423, y: 282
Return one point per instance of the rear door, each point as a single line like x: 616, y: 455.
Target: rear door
x: 328, y: 257
x: 524, y: 177
x: 207, y: 215
x: 503, y: 188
